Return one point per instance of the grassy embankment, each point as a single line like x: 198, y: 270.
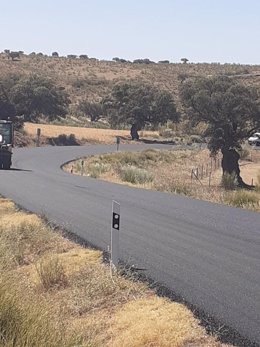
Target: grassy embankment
x: 170, y: 171
x: 54, y: 293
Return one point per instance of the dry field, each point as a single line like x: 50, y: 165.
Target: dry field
x: 170, y: 171
x: 88, y: 135
x: 55, y: 293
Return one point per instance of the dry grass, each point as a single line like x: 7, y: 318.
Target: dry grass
x: 90, y: 135
x: 51, y: 273
x: 55, y: 293
x: 170, y: 171
x: 156, y: 322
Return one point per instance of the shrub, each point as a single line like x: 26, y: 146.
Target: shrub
x: 64, y: 140
x: 173, y: 186
x: 135, y: 175
x: 244, y: 153
x: 196, y: 139
x: 51, y: 273
x: 97, y: 169
x: 167, y: 133
x: 243, y: 198
x: 229, y: 182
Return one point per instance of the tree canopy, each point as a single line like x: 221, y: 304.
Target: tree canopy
x: 139, y: 104
x: 7, y: 108
x: 231, y: 110
x: 92, y: 109
x: 30, y: 97
x: 34, y: 96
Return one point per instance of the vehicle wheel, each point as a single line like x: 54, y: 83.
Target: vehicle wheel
x: 6, y: 164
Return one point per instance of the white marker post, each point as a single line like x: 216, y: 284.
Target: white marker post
x: 115, y: 233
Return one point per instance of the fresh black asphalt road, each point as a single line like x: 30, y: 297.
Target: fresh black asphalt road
x: 207, y: 253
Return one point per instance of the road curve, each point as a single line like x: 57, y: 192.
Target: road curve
x: 207, y: 253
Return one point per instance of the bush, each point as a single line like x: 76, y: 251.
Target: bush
x: 167, y: 133
x: 244, y: 153
x: 229, y: 182
x: 64, y: 140
x: 173, y: 186
x: 51, y: 273
x: 196, y: 139
x: 97, y: 169
x: 243, y: 198
x: 135, y: 175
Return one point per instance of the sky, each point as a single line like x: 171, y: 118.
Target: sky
x: 224, y: 31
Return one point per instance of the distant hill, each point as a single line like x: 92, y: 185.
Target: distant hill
x: 92, y: 79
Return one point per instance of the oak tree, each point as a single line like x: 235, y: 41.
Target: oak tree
x: 231, y: 111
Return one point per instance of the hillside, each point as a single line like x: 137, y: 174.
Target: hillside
x: 92, y: 79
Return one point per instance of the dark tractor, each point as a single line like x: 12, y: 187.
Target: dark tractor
x: 6, y: 144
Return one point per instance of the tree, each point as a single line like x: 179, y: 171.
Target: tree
x: 184, y: 60
x: 55, y: 54
x: 232, y: 112
x: 13, y: 55
x: 83, y: 56
x: 92, y: 109
x: 143, y: 61
x: 7, y: 108
x: 72, y: 56
x: 34, y: 96
x: 163, y: 62
x: 139, y: 104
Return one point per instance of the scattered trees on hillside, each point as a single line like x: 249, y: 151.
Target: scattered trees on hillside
x: 232, y: 112
x: 138, y: 105
x: 13, y: 55
x: 143, y: 61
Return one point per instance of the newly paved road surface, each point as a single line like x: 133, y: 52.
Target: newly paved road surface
x: 207, y: 253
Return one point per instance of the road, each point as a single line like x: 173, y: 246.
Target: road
x: 207, y: 253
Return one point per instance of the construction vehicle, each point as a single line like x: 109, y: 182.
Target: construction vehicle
x: 6, y: 144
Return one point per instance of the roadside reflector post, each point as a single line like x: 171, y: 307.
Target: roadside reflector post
x: 117, y: 142
x: 82, y: 167
x: 38, y: 134
x: 115, y: 227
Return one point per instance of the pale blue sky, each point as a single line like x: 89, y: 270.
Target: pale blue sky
x: 201, y: 30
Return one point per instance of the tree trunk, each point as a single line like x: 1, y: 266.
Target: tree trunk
x: 230, y: 165
x: 134, y: 132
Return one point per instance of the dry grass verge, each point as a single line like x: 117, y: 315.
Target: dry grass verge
x: 54, y: 293
x: 88, y: 135
x: 170, y: 171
